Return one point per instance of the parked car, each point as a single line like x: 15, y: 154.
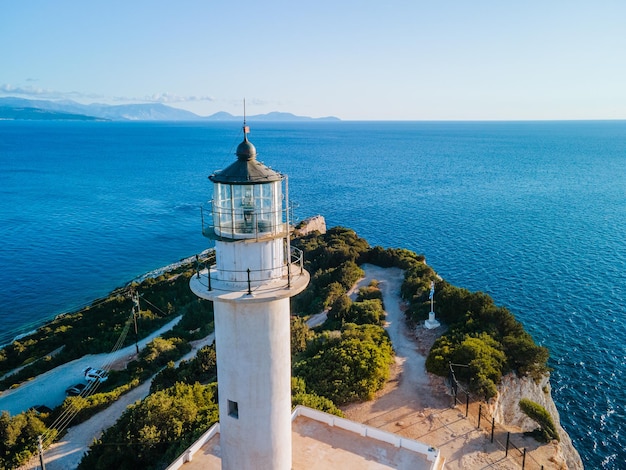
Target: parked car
x: 41, y: 409
x: 75, y: 390
x: 95, y: 375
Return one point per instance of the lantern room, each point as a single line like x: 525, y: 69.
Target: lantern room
x: 248, y: 200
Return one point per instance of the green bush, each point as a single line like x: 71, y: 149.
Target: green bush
x: 540, y: 415
x: 160, y: 427
x: 316, y: 402
x: 332, y: 260
x: 18, y: 437
x: 201, y: 369
x: 370, y: 292
x: 300, y: 335
x: 347, y: 367
x: 299, y: 396
x: 481, y: 335
x: 339, y: 312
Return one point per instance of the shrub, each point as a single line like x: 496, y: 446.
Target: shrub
x: 370, y: 292
x: 18, y: 437
x: 540, y: 415
x: 299, y: 396
x: 160, y: 427
x: 367, y: 312
x: 349, y: 367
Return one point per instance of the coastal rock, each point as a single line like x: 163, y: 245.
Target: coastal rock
x: 317, y: 223
x: 506, y: 410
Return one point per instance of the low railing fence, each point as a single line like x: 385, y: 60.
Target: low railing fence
x: 497, y: 433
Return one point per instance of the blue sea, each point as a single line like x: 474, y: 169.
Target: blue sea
x: 533, y: 213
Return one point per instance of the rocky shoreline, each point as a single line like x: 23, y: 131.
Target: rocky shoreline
x: 505, y: 408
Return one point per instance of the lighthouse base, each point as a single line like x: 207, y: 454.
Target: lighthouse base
x: 431, y: 323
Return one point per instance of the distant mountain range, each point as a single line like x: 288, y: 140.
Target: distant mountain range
x: 24, y: 109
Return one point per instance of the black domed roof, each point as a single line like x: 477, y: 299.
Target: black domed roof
x: 246, y: 169
x: 246, y: 150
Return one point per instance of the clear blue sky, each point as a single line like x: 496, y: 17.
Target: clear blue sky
x: 387, y: 60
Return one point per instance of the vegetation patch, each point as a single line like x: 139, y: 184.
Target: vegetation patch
x: 350, y: 366
x: 344, y: 360
x: 485, y: 337
x: 547, y: 429
x: 98, y: 327
x: 153, y: 432
x: 18, y: 437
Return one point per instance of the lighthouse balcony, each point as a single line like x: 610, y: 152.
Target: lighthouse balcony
x: 253, y: 224
x: 284, y: 281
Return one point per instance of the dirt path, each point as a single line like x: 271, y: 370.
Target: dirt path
x: 415, y: 403
x: 49, y: 388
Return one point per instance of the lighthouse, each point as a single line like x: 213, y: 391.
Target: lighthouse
x: 255, y: 273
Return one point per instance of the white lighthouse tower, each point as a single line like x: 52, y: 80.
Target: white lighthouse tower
x: 255, y: 274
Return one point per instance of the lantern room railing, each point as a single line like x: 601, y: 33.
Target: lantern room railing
x: 225, y: 224
x: 254, y: 280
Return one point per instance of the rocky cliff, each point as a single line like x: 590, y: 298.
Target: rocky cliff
x: 317, y: 223
x: 506, y: 411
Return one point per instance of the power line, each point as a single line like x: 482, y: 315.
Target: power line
x: 64, y: 419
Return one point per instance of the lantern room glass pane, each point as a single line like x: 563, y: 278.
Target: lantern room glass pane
x: 222, y: 210
x: 241, y: 209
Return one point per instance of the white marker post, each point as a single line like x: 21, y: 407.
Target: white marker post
x: 431, y: 323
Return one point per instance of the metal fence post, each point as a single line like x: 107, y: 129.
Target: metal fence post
x: 508, y: 436
x: 524, y: 458
x: 466, y: 404
x: 40, y: 447
x: 249, y: 285
x: 493, y: 427
x: 289, y: 275
x: 480, y: 410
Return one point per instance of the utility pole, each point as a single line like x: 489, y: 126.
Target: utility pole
x: 40, y: 447
x: 135, y: 297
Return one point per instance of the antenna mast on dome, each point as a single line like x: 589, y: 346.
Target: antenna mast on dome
x: 246, y: 129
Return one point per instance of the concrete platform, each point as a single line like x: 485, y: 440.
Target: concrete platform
x: 321, y: 441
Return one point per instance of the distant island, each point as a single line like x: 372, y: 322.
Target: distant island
x: 12, y: 108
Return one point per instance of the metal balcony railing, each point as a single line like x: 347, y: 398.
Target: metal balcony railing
x: 253, y: 280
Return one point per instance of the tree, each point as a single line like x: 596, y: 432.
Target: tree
x: 299, y: 396
x: 371, y: 291
x: 339, y: 312
x: 367, y: 312
x: 153, y: 432
x: 524, y: 356
x: 300, y: 335
x: 18, y: 437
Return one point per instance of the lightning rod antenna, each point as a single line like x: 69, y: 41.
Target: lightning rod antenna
x: 246, y: 129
